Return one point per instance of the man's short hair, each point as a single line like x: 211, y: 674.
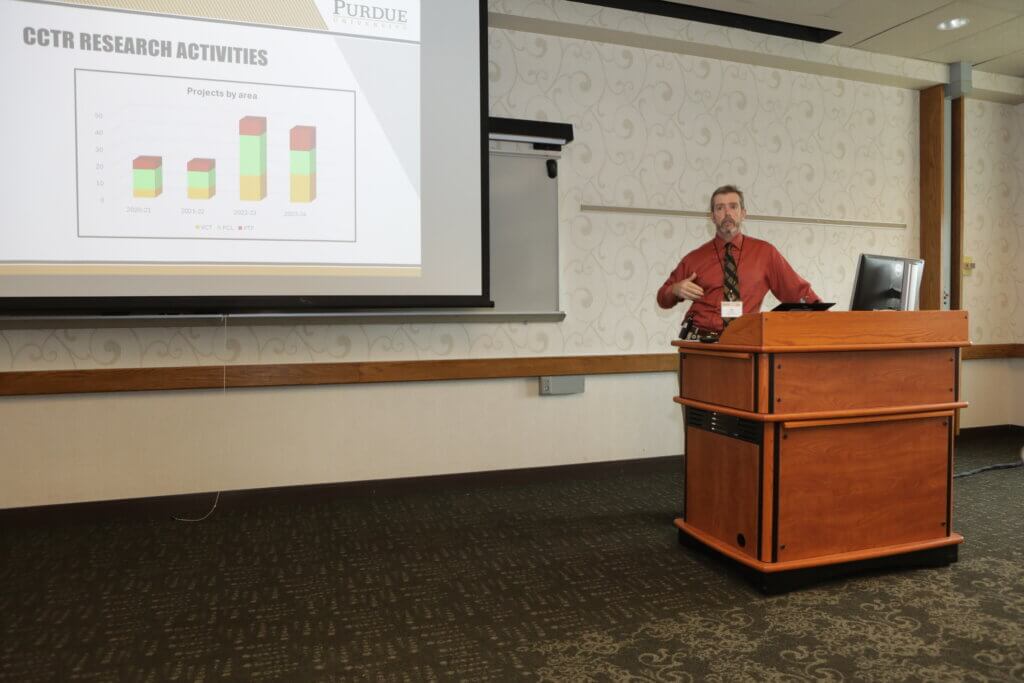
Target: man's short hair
x: 726, y: 189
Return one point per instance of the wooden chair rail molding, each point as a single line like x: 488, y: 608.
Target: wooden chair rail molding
x: 308, y: 374
x: 26, y: 383
x: 987, y: 351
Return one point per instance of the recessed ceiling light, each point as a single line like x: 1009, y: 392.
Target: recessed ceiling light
x: 953, y: 24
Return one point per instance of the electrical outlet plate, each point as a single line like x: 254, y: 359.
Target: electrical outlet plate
x: 561, y: 385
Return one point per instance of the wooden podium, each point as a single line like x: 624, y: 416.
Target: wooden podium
x: 819, y: 443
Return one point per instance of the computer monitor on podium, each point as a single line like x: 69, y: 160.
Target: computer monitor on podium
x: 887, y: 283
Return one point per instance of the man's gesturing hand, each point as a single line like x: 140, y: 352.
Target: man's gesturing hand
x: 688, y: 289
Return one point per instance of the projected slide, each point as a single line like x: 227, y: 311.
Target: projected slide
x: 172, y: 157
x: 261, y: 135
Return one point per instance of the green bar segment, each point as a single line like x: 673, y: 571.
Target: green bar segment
x: 202, y: 180
x: 253, y: 154
x: 252, y: 158
x: 303, y: 163
x: 147, y: 179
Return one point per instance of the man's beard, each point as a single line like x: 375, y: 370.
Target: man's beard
x: 728, y: 227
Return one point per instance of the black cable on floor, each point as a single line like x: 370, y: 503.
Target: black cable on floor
x: 1000, y: 466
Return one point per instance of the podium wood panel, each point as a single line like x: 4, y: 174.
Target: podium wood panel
x: 767, y: 491
x: 867, y: 327
x: 827, y: 330
x: 841, y: 380
x: 721, y: 488
x: 770, y: 568
x: 722, y: 380
x: 877, y: 484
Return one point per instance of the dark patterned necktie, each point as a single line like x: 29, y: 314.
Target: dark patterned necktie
x: 732, y: 278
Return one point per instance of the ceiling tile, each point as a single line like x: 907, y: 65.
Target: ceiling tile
x: 1013, y: 6
x: 1011, y: 65
x: 905, y: 28
x: 861, y: 19
x: 1001, y: 39
x: 920, y: 36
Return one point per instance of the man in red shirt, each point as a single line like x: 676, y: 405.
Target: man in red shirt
x: 730, y: 275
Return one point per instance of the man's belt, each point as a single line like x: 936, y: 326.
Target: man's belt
x: 691, y: 332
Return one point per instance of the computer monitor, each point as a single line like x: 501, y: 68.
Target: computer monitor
x: 887, y: 283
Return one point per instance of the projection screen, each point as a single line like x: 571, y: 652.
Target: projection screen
x: 283, y: 155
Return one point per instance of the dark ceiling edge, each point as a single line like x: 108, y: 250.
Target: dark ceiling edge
x: 674, y: 10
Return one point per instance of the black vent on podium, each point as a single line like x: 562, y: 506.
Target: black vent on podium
x: 726, y: 425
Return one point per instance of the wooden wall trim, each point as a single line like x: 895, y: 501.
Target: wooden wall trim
x: 307, y: 374
x: 989, y: 351
x: 931, y: 109
x: 106, y: 380
x: 39, y: 382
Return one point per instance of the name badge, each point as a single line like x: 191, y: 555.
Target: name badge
x: 732, y: 309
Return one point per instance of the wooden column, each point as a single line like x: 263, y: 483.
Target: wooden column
x: 931, y: 179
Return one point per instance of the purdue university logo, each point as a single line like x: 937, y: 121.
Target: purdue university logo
x: 369, y: 13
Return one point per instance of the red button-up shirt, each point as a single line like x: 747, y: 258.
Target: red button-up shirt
x: 760, y: 267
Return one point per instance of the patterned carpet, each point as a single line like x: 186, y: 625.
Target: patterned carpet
x: 554, y: 580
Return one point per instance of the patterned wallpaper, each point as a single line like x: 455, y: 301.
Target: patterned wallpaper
x: 994, y: 221
x: 653, y: 130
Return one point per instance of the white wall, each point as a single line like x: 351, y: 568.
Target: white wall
x: 653, y: 130
x: 994, y: 389
x: 994, y: 221
x: 110, y: 446
x: 1016, y: 382
x: 994, y: 238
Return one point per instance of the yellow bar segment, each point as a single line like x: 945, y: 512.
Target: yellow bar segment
x: 253, y: 187
x: 200, y: 192
x: 303, y: 188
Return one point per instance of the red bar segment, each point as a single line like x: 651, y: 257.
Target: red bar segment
x: 252, y: 125
x: 303, y: 138
x: 201, y: 164
x: 147, y: 163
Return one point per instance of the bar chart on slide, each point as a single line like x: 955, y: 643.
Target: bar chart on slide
x: 171, y: 157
